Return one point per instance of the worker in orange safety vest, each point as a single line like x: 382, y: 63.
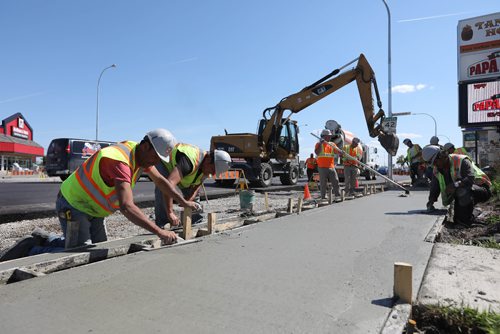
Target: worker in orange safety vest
x: 351, y: 170
x: 312, y: 167
x: 326, y: 150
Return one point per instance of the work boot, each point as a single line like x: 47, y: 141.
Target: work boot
x: 20, y: 249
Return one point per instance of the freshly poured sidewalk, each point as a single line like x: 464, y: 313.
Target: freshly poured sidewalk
x: 327, y: 270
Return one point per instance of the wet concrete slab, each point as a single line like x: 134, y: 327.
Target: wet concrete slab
x: 328, y: 270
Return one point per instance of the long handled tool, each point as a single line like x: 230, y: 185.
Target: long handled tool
x: 365, y: 165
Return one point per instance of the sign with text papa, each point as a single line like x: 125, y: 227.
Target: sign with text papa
x: 479, y: 48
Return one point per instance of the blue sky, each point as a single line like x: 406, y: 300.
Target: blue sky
x: 199, y: 67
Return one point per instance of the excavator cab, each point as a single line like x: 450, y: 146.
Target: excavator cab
x: 284, y: 139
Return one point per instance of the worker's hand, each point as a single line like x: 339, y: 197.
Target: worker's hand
x: 430, y: 207
x: 195, y: 206
x: 167, y: 237
x: 174, y: 220
x: 450, y: 188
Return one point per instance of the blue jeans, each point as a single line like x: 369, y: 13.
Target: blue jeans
x: 91, y: 229
x: 161, y: 218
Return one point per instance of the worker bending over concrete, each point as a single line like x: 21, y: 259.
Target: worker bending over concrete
x: 351, y: 167
x: 450, y: 148
x: 102, y: 185
x: 326, y: 150
x: 187, y: 169
x: 458, y: 180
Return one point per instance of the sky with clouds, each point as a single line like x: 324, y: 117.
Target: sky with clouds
x: 199, y: 67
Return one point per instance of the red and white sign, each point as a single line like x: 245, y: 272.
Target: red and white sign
x: 483, y: 102
x: 479, y: 48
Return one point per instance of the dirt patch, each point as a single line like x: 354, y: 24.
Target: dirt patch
x: 485, y: 231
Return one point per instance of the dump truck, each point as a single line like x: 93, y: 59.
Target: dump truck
x: 273, y: 150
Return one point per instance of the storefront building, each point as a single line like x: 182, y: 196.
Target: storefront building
x: 479, y: 87
x: 17, y: 148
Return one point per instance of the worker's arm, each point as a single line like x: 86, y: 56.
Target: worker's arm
x: 174, y: 177
x: 317, y: 149
x: 168, y: 189
x: 466, y: 175
x: 194, y: 191
x: 136, y: 216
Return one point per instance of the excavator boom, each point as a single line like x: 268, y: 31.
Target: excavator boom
x: 365, y: 79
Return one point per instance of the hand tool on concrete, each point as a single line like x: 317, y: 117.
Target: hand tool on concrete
x: 407, y: 192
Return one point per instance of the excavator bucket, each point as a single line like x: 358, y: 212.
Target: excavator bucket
x: 390, y: 142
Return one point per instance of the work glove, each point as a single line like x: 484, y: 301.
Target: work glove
x: 430, y: 207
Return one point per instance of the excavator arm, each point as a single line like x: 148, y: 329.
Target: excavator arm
x: 365, y: 78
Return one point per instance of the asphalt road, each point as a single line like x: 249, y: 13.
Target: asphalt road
x: 31, y: 197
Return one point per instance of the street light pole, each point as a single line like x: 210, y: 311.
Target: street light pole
x: 97, y: 107
x: 435, y: 124
x: 389, y: 160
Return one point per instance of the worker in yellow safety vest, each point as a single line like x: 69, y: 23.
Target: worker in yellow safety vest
x: 351, y: 166
x: 102, y: 185
x: 413, y: 158
x: 312, y: 167
x: 188, y: 167
x: 326, y: 150
x: 458, y: 180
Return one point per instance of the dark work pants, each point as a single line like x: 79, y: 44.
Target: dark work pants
x: 465, y: 199
x: 310, y: 173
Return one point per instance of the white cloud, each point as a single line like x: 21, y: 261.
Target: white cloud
x: 408, y: 88
x: 432, y: 17
x: 22, y: 97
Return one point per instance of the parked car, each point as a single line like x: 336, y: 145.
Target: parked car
x: 65, y: 155
x: 382, y: 170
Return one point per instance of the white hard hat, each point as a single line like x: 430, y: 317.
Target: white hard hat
x: 447, y: 146
x: 326, y: 132
x: 430, y: 153
x: 163, y: 142
x: 434, y: 140
x: 222, y: 161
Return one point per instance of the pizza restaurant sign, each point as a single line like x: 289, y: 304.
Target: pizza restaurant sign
x: 479, y: 48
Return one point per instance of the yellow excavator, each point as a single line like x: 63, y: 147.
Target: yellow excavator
x: 273, y: 151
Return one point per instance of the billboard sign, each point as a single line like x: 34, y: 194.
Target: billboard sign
x: 480, y: 103
x: 479, y: 48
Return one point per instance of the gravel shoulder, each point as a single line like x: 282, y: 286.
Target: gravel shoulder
x: 120, y: 227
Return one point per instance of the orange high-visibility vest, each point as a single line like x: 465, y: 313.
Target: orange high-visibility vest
x: 355, y: 152
x: 326, y: 155
x: 311, y: 163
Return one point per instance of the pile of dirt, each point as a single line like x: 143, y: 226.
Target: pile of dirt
x: 485, y: 229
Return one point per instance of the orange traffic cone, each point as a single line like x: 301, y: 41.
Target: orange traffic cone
x: 307, y: 195
x: 357, y: 184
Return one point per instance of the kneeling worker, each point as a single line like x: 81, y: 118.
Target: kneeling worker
x: 102, y: 185
x: 458, y: 179
x: 188, y: 168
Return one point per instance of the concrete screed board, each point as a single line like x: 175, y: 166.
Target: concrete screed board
x: 328, y: 270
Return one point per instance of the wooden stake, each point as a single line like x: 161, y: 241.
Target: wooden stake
x: 290, y: 205
x: 330, y: 197
x: 71, y: 239
x: 266, y: 201
x: 365, y: 190
x: 342, y: 195
x: 403, y: 281
x: 186, y: 224
x: 299, y: 205
x: 212, y: 220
